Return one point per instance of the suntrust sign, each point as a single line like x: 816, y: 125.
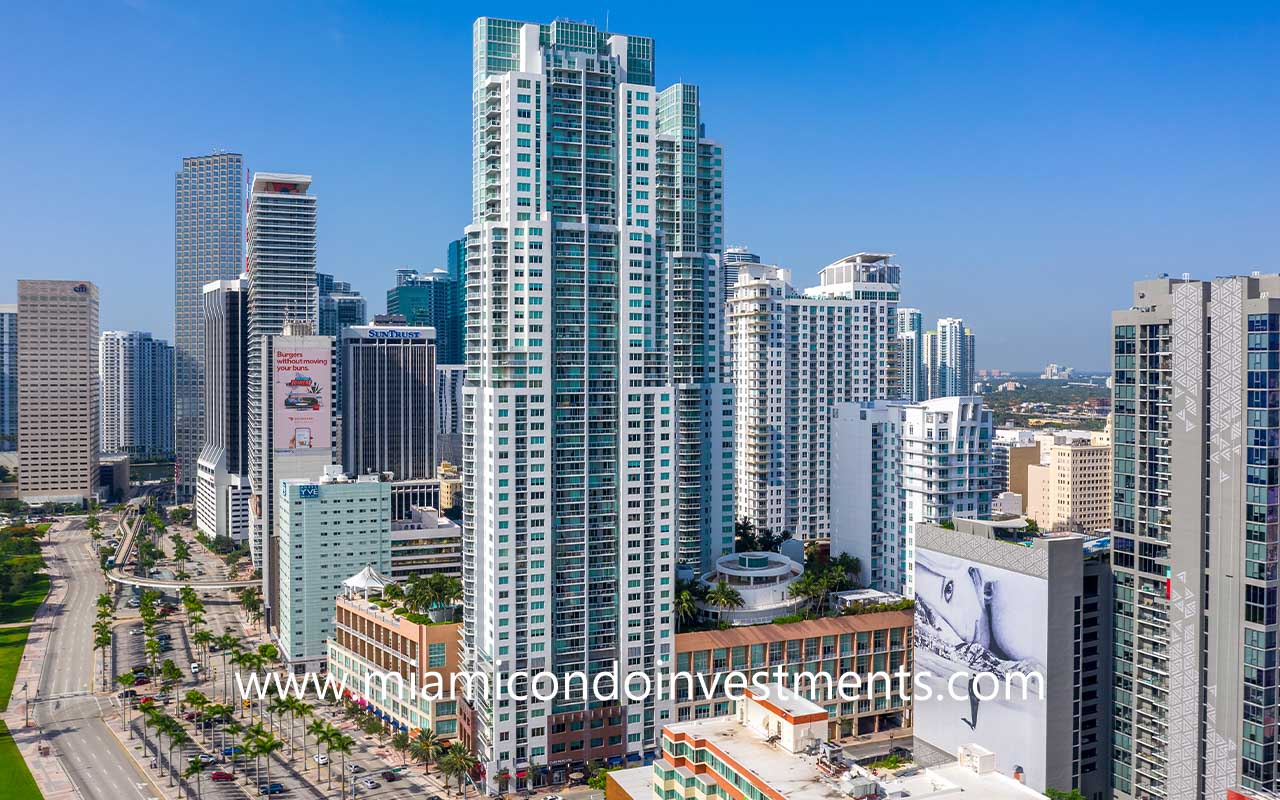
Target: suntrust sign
x: 392, y: 333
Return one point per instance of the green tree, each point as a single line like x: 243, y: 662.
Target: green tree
x: 195, y: 768
x: 266, y: 745
x: 400, y: 742
x: 127, y: 680
x: 457, y: 763
x: 723, y: 597
x: 1060, y: 794
x: 599, y: 781
x: 426, y: 748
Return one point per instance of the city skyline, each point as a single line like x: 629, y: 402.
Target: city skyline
x: 965, y: 197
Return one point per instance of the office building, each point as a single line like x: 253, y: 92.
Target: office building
x: 596, y: 443
x: 457, y: 266
x: 1070, y: 489
x: 1195, y: 537
x: 59, y: 431
x: 949, y: 359
x: 8, y: 377
x: 137, y: 394
x: 1046, y: 603
x: 389, y: 406
x: 424, y: 544
x: 208, y: 245
x: 370, y: 641
x: 431, y: 300
x: 794, y: 357
x: 282, y: 287
x: 450, y: 379
x: 222, y: 474
x: 330, y: 528
x: 913, y: 384
x: 338, y: 305
x: 894, y: 465
x: 730, y: 263
x: 1013, y: 450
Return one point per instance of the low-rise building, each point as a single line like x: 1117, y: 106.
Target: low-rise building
x: 860, y: 643
x: 774, y: 747
x: 371, y: 640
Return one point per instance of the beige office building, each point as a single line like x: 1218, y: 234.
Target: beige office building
x: 1071, y: 488
x: 58, y: 425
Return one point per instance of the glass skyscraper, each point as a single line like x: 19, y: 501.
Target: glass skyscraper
x: 597, y: 432
x: 431, y: 300
x: 208, y: 246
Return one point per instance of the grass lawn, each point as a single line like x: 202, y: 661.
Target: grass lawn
x: 13, y: 770
x: 12, y: 642
x: 24, y: 608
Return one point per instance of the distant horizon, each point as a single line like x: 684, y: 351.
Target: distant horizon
x: 1026, y: 166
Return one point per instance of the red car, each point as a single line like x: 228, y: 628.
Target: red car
x: 141, y: 680
x: 221, y: 776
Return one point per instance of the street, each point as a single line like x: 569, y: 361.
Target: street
x: 67, y: 711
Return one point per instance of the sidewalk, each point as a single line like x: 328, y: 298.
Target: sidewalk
x: 50, y: 776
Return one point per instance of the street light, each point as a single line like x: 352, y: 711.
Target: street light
x: 26, y: 706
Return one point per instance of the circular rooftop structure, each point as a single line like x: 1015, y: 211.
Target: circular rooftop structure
x: 762, y: 579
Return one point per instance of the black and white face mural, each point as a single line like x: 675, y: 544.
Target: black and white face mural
x: 980, y: 637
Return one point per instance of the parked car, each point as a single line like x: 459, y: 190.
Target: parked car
x: 271, y: 788
x: 320, y: 758
x: 221, y: 775
x: 205, y: 758
x: 190, y: 715
x: 369, y: 783
x: 127, y: 693
x: 195, y: 668
x: 388, y: 776
x: 141, y: 680
x: 355, y: 769
x: 232, y: 750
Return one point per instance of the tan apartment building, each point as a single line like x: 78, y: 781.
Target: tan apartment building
x: 58, y: 392
x: 370, y: 639
x: 1071, y: 488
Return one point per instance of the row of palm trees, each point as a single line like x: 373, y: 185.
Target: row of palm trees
x: 426, y: 747
x: 435, y: 593
x: 721, y: 596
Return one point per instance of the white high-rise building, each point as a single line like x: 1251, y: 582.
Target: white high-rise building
x: 730, y: 263
x: 137, y: 394
x: 949, y: 359
x: 597, y: 429
x: 794, y: 357
x: 282, y: 288
x: 913, y: 383
x: 222, y: 481
x: 897, y: 464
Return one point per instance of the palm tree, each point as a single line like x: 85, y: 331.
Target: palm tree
x: 233, y: 729
x: 426, y: 747
x: 252, y: 734
x: 400, y: 742
x: 127, y: 680
x: 196, y: 700
x: 245, y: 660
x: 202, y: 638
x: 278, y: 705
x: 392, y: 592
x: 686, y: 606
x: 318, y: 728
x: 457, y: 764
x: 152, y: 649
x: 195, y: 767
x: 266, y: 745
x: 93, y: 524
x: 298, y: 708
x: 228, y: 643
x: 102, y: 641
x: 177, y: 736
x: 722, y: 596
x: 105, y: 603
x: 342, y: 744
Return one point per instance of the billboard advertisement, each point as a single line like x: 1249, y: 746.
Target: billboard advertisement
x: 301, y: 393
x: 980, y: 638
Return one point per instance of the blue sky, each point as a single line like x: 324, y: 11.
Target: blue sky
x: 1026, y: 161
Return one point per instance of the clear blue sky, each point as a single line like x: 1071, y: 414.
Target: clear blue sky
x: 1026, y: 161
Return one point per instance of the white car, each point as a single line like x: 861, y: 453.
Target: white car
x: 320, y: 758
x: 369, y: 783
x: 355, y: 769
x: 195, y: 668
x: 205, y: 758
